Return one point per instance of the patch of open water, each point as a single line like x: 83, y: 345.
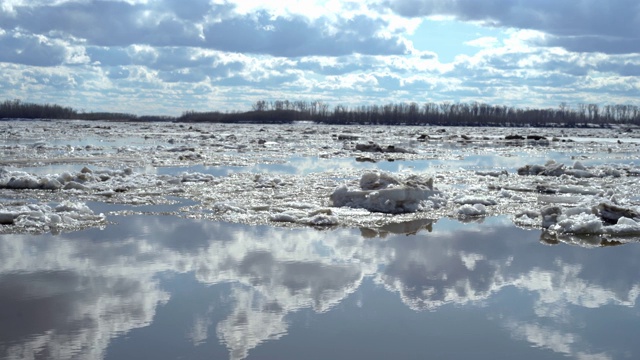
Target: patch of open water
x: 165, y: 287
x: 307, y: 165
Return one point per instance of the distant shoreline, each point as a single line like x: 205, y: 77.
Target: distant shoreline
x: 412, y: 114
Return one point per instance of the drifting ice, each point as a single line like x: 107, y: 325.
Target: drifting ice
x: 605, y: 218
x: 381, y: 192
x: 42, y: 217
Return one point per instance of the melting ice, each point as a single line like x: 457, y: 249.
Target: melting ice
x: 316, y: 175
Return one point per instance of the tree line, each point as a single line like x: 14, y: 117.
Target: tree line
x: 285, y: 111
x: 16, y: 109
x: 461, y: 114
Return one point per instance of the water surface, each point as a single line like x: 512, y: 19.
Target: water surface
x: 164, y: 287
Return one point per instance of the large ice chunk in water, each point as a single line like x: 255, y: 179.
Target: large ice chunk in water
x: 604, y: 218
x: 382, y: 192
x: 67, y: 215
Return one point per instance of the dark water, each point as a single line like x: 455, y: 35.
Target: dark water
x: 161, y: 287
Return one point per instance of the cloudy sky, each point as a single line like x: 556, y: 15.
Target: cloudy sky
x: 168, y: 56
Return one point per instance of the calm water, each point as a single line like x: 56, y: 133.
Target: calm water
x: 162, y: 287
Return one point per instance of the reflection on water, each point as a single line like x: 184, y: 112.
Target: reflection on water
x: 491, y: 160
x: 163, y: 287
x: 407, y: 228
x: 308, y: 165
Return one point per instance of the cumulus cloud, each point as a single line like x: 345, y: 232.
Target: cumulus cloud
x: 202, y: 24
x: 341, y: 52
x: 105, y: 23
x: 590, y: 26
x: 298, y: 36
x: 31, y: 49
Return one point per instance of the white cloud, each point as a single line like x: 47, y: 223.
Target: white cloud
x: 346, y: 51
x: 483, y: 42
x: 590, y: 26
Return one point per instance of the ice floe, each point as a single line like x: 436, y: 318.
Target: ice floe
x: 595, y: 225
x: 43, y: 217
x: 476, y: 209
x: 381, y: 192
x: 578, y: 170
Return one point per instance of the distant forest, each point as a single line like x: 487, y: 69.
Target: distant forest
x: 16, y: 109
x: 443, y: 114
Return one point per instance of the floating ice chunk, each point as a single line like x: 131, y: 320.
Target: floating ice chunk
x: 106, y: 193
x: 50, y: 184
x: 72, y: 185
x: 83, y: 180
x: 527, y: 218
x: 375, y: 181
x: 633, y: 172
x: 342, y: 137
x: 550, y: 215
x: 579, y: 173
x: 608, y: 171
x: 22, y: 182
x: 284, y: 217
x: 576, y: 211
x: 560, y: 199
x: 381, y: 192
x: 624, y: 227
x: 587, y: 220
x: 73, y: 207
x: 65, y: 177
x: 301, y: 205
x: 578, y: 170
x: 196, y: 177
x: 551, y: 168
x: 472, y: 210
x: 319, y: 217
x: 612, y: 213
x: 581, y: 223
x: 494, y: 173
x: 320, y: 220
x: 41, y: 217
x: 181, y: 149
x: 267, y: 182
x: 290, y: 215
x: 373, y: 147
x: 579, y: 166
x: 39, y: 145
x: 228, y: 207
x: 472, y: 200
x: 553, y: 215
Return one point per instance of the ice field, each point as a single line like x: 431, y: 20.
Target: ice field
x: 574, y: 183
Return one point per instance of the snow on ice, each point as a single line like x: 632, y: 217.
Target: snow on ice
x: 42, y: 217
x: 307, y: 175
x: 382, y: 192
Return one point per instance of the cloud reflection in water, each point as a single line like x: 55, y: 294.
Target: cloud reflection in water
x: 73, y: 295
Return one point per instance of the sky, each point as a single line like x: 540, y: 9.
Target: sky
x: 164, y: 57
